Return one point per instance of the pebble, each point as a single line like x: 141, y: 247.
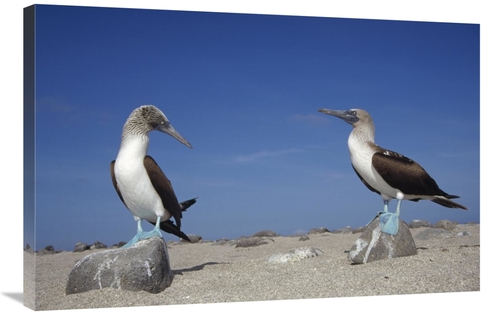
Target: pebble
x: 295, y: 255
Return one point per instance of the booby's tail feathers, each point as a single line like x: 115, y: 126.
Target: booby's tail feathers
x: 188, y: 203
x: 169, y: 227
x: 445, y: 202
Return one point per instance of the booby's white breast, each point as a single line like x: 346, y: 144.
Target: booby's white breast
x: 133, y: 181
x: 361, y: 153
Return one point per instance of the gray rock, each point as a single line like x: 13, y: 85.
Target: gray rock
x: 120, y: 244
x: 98, y: 245
x: 318, y: 230
x: 419, y: 223
x: 80, y: 247
x: 144, y: 266
x: 373, y: 244
x: 250, y: 242
x: 445, y: 224
x: 433, y: 233
x: 265, y: 233
x: 192, y: 237
x: 223, y: 241
x: 346, y: 229
x: 295, y: 255
x: 304, y: 238
x: 45, y: 252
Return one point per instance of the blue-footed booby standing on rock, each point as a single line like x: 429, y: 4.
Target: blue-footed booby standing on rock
x: 139, y: 181
x: 387, y: 173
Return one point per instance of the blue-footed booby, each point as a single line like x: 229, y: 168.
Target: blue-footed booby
x: 139, y: 181
x: 387, y: 173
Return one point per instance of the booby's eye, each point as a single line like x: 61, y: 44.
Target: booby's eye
x: 352, y: 112
x: 162, y: 122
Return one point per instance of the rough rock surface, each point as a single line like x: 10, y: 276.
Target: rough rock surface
x: 373, y: 244
x: 144, y: 266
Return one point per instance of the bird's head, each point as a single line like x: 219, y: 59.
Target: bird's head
x: 353, y: 117
x: 147, y: 118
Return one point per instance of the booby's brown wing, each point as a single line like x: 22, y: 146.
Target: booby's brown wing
x: 364, y: 181
x: 405, y: 174
x: 164, y: 189
x: 113, y: 178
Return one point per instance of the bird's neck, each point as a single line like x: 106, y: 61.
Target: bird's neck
x: 361, y: 138
x: 133, y: 146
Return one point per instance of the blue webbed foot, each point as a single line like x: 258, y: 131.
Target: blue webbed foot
x: 141, y: 235
x: 134, y: 240
x: 153, y: 233
x: 389, y: 223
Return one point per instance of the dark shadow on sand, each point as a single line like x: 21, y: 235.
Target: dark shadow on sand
x: 196, y: 268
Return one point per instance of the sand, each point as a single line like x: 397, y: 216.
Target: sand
x: 206, y: 272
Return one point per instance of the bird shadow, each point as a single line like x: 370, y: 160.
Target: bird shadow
x: 196, y: 268
x: 16, y: 296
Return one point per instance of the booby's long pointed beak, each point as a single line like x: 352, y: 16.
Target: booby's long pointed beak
x: 346, y: 115
x: 169, y: 129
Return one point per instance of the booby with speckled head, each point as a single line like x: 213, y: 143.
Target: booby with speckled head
x: 387, y: 173
x: 140, y: 183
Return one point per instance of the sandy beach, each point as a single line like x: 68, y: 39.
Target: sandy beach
x: 215, y: 272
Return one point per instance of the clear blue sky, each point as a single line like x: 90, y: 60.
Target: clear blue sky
x: 245, y: 90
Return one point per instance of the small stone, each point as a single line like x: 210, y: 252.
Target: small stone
x: 445, y: 224
x: 98, y: 245
x: 143, y: 266
x: 419, y: 223
x: 250, y: 242
x: 192, y: 237
x: 373, y: 244
x: 318, y: 230
x: 345, y: 230
x: 265, y: 233
x: 223, y: 241
x: 80, y: 247
x: 295, y: 255
x: 304, y: 238
x: 433, y: 233
x: 45, y: 252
